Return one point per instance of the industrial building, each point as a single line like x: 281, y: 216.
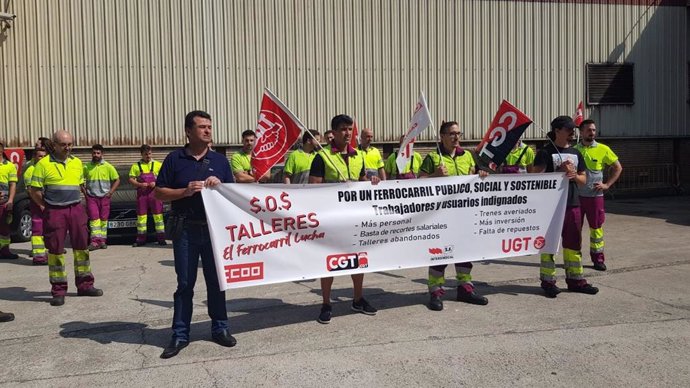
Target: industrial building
x: 123, y: 73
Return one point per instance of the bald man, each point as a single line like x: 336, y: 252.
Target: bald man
x: 56, y: 189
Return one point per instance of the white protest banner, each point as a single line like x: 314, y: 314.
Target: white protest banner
x: 421, y: 119
x: 263, y: 234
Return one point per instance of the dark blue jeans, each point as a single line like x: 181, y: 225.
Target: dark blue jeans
x: 194, y: 242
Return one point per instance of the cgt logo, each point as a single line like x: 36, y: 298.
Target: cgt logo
x: 343, y: 261
x: 244, y: 272
x: 436, y: 251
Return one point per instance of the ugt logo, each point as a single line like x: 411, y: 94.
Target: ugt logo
x: 269, y: 139
x: 343, y: 261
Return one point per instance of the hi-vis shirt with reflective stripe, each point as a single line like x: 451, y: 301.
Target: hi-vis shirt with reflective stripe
x: 460, y: 164
x: 297, y: 166
x: 8, y: 174
x: 372, y: 160
x: 99, y: 178
x: 135, y: 171
x: 241, y: 162
x: 596, y: 157
x: 60, y: 181
x: 334, y: 162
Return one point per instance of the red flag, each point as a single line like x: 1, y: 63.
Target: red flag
x: 277, y: 130
x: 354, y: 141
x: 505, y: 130
x: 579, y: 114
x: 16, y: 156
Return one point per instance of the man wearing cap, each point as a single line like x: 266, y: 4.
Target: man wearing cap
x: 373, y: 161
x: 339, y: 162
x: 38, y: 248
x: 142, y: 175
x: 597, y: 157
x: 453, y: 160
x: 298, y: 164
x: 56, y: 188
x: 241, y: 162
x: 8, y: 186
x: 411, y: 170
x: 557, y: 155
x: 101, y: 182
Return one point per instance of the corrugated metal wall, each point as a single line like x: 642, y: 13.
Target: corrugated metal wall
x: 125, y: 72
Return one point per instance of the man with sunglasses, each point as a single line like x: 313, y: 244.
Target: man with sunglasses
x: 56, y: 189
x: 558, y: 155
x: 452, y: 160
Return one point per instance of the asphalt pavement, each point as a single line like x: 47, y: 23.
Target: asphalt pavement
x: 635, y: 332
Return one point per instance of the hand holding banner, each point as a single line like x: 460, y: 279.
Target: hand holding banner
x: 421, y: 119
x: 505, y: 131
x: 277, y: 130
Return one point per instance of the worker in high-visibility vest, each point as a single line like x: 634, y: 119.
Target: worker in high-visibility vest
x: 597, y: 157
x: 519, y: 160
x: 101, y: 181
x: 339, y: 162
x: 411, y: 170
x: 241, y: 161
x: 56, y: 188
x: 453, y: 160
x: 373, y: 161
x: 38, y: 248
x: 142, y: 175
x: 298, y: 164
x: 8, y: 187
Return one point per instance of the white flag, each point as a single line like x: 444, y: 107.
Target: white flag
x: 421, y: 119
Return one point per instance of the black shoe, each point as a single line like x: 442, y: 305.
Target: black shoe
x: 93, y: 291
x: 39, y: 262
x: 138, y: 244
x: 435, y: 302
x: 162, y: 242
x: 6, y: 317
x: 103, y: 246
x: 9, y: 256
x: 57, y: 301
x: 173, y: 348
x: 92, y: 247
x: 325, y: 315
x: 224, y: 339
x: 471, y: 297
x: 600, y: 266
x: 363, y: 307
x: 551, y: 291
x: 586, y: 289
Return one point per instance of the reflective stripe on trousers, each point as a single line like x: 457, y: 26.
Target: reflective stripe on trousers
x: 437, y: 275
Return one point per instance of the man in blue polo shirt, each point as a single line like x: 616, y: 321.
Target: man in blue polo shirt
x: 185, y: 172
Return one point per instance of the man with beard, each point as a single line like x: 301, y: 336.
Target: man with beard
x: 101, y: 181
x: 597, y: 157
x: 241, y: 162
x: 298, y: 164
x: 557, y: 155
